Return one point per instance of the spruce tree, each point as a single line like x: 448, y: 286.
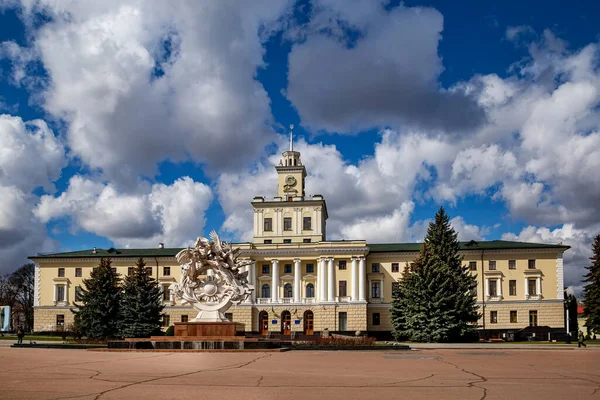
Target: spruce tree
x: 434, y: 300
x: 98, y: 314
x: 141, y: 304
x: 591, y: 291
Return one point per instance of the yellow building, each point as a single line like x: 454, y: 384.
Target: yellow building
x: 306, y: 283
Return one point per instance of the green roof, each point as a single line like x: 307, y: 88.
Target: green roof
x: 472, y: 245
x: 374, y: 248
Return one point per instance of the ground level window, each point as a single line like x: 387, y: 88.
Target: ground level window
x: 493, y: 317
x: 60, y: 320
x: 533, y: 318
x: 166, y: 321
x: 376, y: 318
x: 184, y: 318
x: 513, y: 317
x: 342, y: 321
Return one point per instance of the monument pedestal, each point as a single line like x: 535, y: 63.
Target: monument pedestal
x: 212, y: 329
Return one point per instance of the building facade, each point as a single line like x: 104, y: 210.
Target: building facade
x: 305, y: 283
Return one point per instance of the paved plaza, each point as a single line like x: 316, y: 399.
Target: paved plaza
x: 416, y: 374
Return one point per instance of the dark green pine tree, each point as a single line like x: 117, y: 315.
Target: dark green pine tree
x: 98, y: 315
x: 434, y: 300
x: 591, y: 291
x: 141, y: 304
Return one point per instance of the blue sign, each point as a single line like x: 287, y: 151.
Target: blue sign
x: 297, y: 322
x: 274, y: 321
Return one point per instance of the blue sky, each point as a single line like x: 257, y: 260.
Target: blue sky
x: 130, y: 123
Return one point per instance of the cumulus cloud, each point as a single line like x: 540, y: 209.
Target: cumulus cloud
x: 137, y: 82
x: 172, y: 214
x: 31, y: 157
x: 360, y: 66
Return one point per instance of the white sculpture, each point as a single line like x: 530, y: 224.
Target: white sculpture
x: 222, y: 285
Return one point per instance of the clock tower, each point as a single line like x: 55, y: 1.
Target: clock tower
x: 291, y: 217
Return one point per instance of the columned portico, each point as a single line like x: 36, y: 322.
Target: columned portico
x: 330, y: 281
x: 275, y: 281
x: 297, y: 273
x: 362, y: 274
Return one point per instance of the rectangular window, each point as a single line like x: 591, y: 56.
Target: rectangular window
x: 78, y: 272
x: 395, y: 267
x: 473, y: 265
x: 512, y: 288
x: 342, y: 264
x: 531, y: 264
x: 287, y: 223
x: 492, y: 265
x: 306, y: 240
x: 533, y: 320
x: 375, y: 289
x: 229, y: 316
x: 184, y: 318
x: 148, y: 270
x: 265, y: 268
x: 78, y: 293
x: 61, y: 272
x: 130, y: 271
x: 343, y: 321
x: 531, y: 285
x: 268, y: 224
x: 165, y: 292
x: 166, y: 320
x: 60, y: 293
x: 493, y: 317
x: 167, y: 271
x: 513, y: 317
x: 287, y: 240
x: 60, y: 320
x: 512, y: 264
x: 306, y: 224
x: 268, y: 241
x: 492, y: 287
x: 287, y: 268
x: 376, y: 318
x: 310, y: 268
x: 375, y: 267
x: 342, y: 289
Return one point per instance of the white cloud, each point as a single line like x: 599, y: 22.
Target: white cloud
x: 141, y: 82
x: 467, y: 232
x: 171, y: 214
x: 382, y: 229
x: 359, y: 66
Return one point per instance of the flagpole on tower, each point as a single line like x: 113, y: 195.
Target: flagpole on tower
x: 291, y: 137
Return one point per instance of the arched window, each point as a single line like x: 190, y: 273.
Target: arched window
x: 287, y: 290
x: 265, y: 291
x: 310, y: 290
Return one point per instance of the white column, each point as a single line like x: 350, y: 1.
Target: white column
x: 362, y: 277
x: 36, y: 287
x: 330, y: 280
x: 314, y: 221
x: 322, y: 280
x: 538, y: 284
x: 55, y: 294
x: 171, y: 296
x: 487, y: 286
x: 499, y: 283
x: 255, y: 222
x: 66, y: 294
x: 261, y: 222
x: 297, y: 274
x: 526, y: 291
x: 252, y: 280
x: 354, y: 279
x: 275, y: 281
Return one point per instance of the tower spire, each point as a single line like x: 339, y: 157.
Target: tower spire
x: 291, y: 137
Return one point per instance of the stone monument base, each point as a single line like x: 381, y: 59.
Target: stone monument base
x: 212, y: 329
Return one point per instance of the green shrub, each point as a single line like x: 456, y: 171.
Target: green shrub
x: 170, y: 331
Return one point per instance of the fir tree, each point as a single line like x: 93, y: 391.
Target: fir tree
x: 591, y: 291
x: 434, y: 300
x: 141, y: 304
x: 98, y: 315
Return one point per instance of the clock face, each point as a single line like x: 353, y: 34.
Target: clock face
x: 290, y: 180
